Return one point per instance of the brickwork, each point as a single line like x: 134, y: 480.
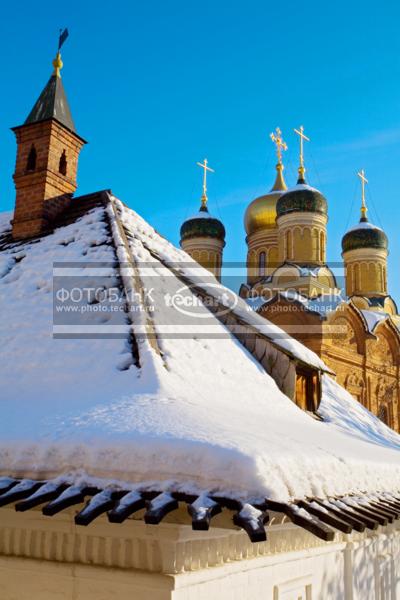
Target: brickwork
x: 43, y: 192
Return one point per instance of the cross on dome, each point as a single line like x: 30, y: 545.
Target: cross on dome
x: 302, y: 137
x: 206, y: 168
x: 364, y: 180
x: 279, y: 143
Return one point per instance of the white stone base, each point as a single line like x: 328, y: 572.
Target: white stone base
x: 49, y: 558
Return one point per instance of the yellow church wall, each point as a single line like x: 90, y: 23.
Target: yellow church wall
x: 367, y: 365
x: 366, y: 271
x: 302, y: 238
x: 262, y: 250
x: 273, y: 257
x: 207, y: 252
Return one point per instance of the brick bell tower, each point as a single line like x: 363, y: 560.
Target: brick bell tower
x: 48, y: 148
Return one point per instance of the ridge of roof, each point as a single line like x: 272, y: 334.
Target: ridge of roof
x: 273, y: 333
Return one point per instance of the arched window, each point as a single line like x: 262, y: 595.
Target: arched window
x: 357, y: 283
x: 261, y: 264
x: 288, y: 240
x: 62, y: 167
x: 322, y: 246
x: 31, y: 163
x: 349, y: 276
x: 383, y: 414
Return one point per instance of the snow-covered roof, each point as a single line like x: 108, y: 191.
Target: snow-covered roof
x: 373, y: 318
x: 301, y: 186
x: 200, y: 214
x: 363, y: 225
x: 172, y: 409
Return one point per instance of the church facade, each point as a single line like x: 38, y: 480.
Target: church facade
x: 346, y: 315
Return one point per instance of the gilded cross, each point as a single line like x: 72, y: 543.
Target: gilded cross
x: 300, y: 133
x: 364, y: 180
x: 279, y: 143
x: 206, y: 169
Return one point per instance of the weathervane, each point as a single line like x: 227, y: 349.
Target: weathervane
x: 300, y: 133
x: 279, y: 143
x: 206, y: 168
x: 57, y: 62
x: 364, y: 208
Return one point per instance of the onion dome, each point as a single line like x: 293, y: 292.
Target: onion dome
x: 301, y: 198
x: 365, y: 234
x: 202, y: 224
x: 261, y: 212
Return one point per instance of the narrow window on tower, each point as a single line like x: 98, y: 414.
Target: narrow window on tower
x: 63, y: 163
x: 31, y: 163
x: 261, y: 264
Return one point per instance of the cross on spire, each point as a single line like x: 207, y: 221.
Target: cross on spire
x: 206, y: 168
x: 364, y: 208
x: 279, y: 143
x: 302, y: 136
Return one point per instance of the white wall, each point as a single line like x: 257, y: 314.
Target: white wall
x: 52, y: 559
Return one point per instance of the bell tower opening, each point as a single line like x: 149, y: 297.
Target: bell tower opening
x: 62, y: 167
x: 31, y: 162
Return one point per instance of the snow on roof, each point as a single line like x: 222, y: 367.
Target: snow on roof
x: 200, y: 214
x: 200, y: 415
x: 364, y: 225
x: 373, y: 317
x: 301, y: 186
x: 183, y: 265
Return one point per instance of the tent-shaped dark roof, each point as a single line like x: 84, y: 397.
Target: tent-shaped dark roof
x: 52, y: 104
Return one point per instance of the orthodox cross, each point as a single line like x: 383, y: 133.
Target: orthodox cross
x: 206, y: 168
x: 300, y: 133
x: 364, y: 180
x: 279, y: 143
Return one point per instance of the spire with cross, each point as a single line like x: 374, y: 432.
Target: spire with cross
x: 364, y: 208
x: 206, y: 168
x: 302, y: 137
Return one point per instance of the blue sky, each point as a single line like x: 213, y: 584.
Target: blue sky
x: 157, y: 86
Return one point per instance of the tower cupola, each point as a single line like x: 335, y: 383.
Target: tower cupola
x: 48, y: 148
x: 202, y: 235
x: 302, y: 215
x: 260, y: 221
x: 365, y: 251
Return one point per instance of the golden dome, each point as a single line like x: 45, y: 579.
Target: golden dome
x: 261, y: 213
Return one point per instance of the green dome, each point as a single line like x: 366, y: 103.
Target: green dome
x: 364, y: 235
x: 202, y: 224
x: 301, y: 198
